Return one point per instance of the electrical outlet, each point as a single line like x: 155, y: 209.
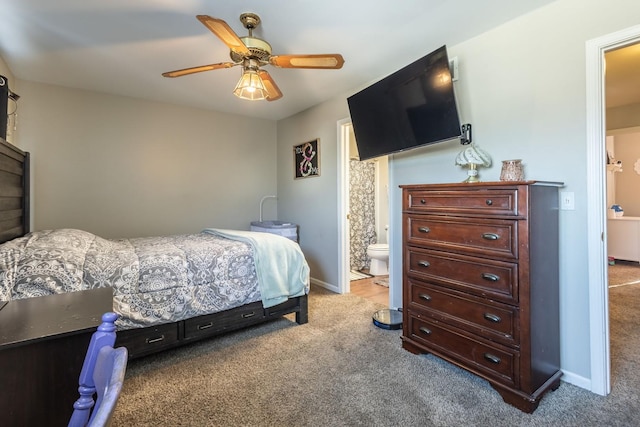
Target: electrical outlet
x: 567, y: 201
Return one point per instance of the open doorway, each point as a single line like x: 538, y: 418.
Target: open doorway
x: 596, y: 49
x: 364, y: 218
x: 622, y: 118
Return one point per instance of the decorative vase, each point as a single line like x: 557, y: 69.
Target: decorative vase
x: 512, y: 170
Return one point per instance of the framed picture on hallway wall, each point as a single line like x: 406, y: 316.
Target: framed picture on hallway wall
x: 306, y: 159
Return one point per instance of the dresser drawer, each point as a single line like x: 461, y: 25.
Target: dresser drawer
x: 499, y: 363
x: 228, y: 320
x: 476, y: 236
x: 482, y: 277
x: 143, y: 341
x: 471, y: 201
x: 495, y: 322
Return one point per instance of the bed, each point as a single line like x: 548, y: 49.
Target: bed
x: 168, y: 290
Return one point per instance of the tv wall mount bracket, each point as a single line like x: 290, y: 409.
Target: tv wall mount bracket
x: 466, y: 138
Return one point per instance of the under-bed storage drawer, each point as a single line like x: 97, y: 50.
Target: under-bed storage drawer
x: 140, y: 342
x: 228, y: 320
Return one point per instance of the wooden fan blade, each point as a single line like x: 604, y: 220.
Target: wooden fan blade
x: 272, y: 88
x: 201, y: 68
x: 224, y: 32
x: 330, y: 61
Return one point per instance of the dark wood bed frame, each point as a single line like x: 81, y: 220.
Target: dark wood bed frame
x: 15, y: 220
x: 14, y: 192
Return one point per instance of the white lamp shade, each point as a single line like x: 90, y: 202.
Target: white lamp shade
x: 250, y: 86
x: 473, y: 154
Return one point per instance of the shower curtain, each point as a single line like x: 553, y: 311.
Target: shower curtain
x: 362, y: 230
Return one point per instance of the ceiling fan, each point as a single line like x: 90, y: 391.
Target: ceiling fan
x: 253, y: 53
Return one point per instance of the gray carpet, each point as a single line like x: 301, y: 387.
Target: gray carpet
x: 340, y: 370
x: 623, y: 273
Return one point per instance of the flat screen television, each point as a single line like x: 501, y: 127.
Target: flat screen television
x: 412, y: 107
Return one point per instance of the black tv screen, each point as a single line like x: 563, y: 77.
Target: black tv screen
x: 412, y: 107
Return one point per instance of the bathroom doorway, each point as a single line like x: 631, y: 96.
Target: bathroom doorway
x: 364, y: 215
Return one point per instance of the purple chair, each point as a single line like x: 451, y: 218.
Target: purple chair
x: 103, y: 375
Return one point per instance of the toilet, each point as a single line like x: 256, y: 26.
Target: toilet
x: 379, y: 254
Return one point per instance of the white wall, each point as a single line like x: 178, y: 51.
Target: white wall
x: 122, y: 167
x: 382, y: 198
x: 623, y: 123
x: 523, y: 88
x: 622, y: 117
x: 312, y: 202
x: 627, y: 150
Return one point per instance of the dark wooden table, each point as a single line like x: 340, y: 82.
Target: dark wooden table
x: 43, y: 342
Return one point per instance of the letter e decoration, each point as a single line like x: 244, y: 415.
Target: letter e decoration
x: 306, y: 158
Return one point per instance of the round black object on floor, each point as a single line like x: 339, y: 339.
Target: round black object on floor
x: 388, y: 319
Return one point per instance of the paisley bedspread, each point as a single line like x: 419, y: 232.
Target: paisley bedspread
x: 155, y: 280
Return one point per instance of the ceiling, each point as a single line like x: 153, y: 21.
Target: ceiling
x: 622, y: 78
x: 123, y: 46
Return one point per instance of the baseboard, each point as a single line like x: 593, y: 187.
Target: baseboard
x: 576, y: 380
x: 328, y: 286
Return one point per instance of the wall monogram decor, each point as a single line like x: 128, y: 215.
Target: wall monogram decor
x: 306, y: 159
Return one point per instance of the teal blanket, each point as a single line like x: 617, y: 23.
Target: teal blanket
x: 281, y: 268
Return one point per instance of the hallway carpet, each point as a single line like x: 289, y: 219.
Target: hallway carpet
x: 623, y: 273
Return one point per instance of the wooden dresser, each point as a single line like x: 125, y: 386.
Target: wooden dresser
x: 480, y: 282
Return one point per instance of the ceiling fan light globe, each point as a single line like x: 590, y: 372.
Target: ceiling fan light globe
x: 250, y: 86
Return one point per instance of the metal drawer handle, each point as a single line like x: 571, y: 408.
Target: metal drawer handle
x: 489, y: 202
x: 490, y: 277
x: 247, y: 315
x: 423, y: 263
x: 423, y: 201
x: 425, y: 330
x: 490, y: 236
x: 425, y: 297
x: 492, y: 318
x: 423, y: 229
x: 153, y: 340
x: 205, y: 326
x: 492, y: 358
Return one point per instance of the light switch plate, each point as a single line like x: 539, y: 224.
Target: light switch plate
x: 567, y: 201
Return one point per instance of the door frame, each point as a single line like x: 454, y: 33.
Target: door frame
x: 596, y: 204
x: 344, y: 127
